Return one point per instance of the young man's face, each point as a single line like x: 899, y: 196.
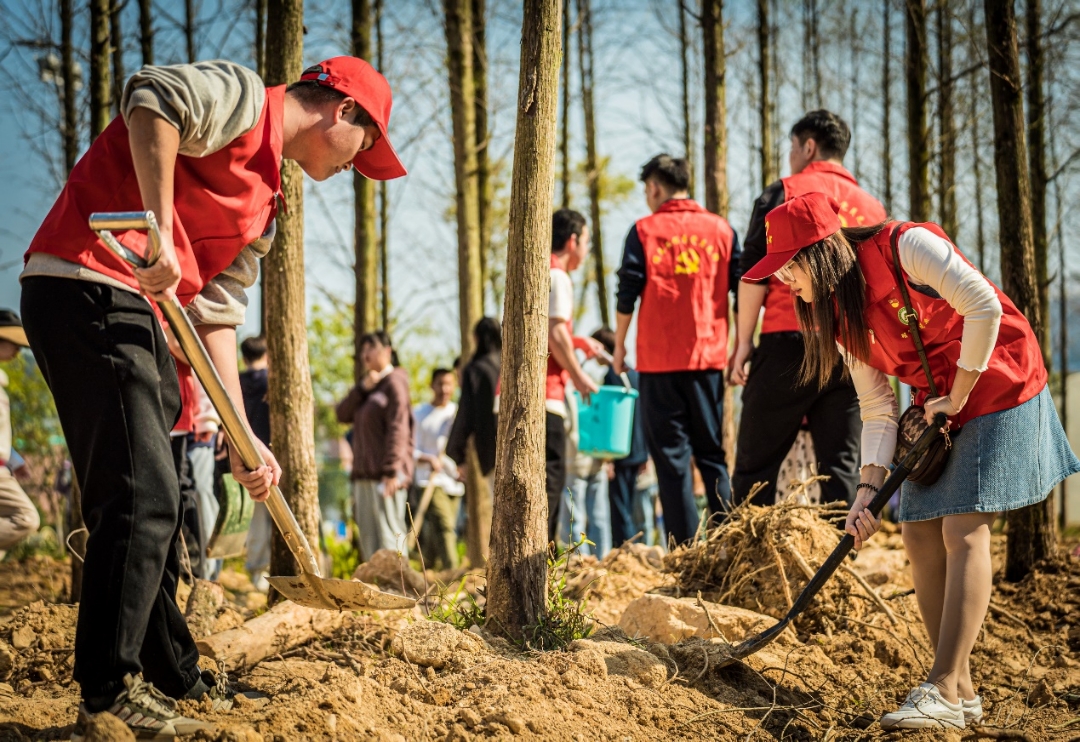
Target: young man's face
x: 8, y: 350
x: 443, y: 388
x: 578, y: 249
x: 338, y: 142
x: 801, y: 154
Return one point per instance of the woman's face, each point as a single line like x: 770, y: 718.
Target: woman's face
x: 798, y: 280
x: 376, y: 356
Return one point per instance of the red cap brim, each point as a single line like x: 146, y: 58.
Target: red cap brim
x: 381, y: 162
x: 768, y: 265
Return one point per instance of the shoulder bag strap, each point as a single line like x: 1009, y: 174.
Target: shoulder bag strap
x: 912, y: 319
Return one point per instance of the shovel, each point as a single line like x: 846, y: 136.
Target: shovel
x: 895, y: 479
x: 309, y: 588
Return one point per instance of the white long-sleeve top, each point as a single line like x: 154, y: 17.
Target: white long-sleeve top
x: 930, y: 261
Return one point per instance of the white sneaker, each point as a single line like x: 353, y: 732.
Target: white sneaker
x: 924, y: 708
x: 973, y: 712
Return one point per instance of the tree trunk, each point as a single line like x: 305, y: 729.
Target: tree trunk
x: 564, y: 132
x: 1036, y: 130
x: 100, y: 84
x: 716, y: 189
x: 1031, y: 534
x: 384, y: 202
x: 189, y: 29
x: 1063, y: 305
x: 517, y: 571
x: 592, y: 164
x: 886, y: 104
x: 483, y: 151
x: 365, y: 243
x: 946, y: 124
x: 977, y: 144
x: 478, y: 510
x: 291, y: 404
x: 854, y: 35
x: 146, y: 31
x: 260, y: 38
x: 915, y: 74
x: 768, y: 113
x: 116, y: 38
x: 459, y: 44
x: 688, y: 137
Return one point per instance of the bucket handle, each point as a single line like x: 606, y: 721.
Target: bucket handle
x: 626, y: 381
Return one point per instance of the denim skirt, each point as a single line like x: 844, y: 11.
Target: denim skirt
x: 1001, y: 461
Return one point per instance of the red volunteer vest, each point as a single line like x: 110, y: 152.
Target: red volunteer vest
x: 683, y: 322
x: 223, y: 202
x: 1015, y: 373
x: 189, y: 400
x: 857, y: 209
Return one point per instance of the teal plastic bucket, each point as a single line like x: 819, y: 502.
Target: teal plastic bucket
x: 606, y: 423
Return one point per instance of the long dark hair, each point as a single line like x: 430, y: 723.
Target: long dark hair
x: 488, y: 336
x: 834, y: 273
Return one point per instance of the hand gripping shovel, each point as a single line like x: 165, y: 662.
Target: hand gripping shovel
x: 310, y: 588
x: 896, y: 478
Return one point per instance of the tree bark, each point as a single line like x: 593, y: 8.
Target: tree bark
x: 976, y: 145
x: 688, y: 137
x: 946, y: 124
x: 517, y: 571
x: 483, y: 138
x: 146, y: 31
x: 384, y: 203
x: 915, y: 75
x: 564, y: 131
x: 592, y: 164
x: 769, y: 173
x: 365, y: 242
x: 100, y: 83
x: 116, y: 38
x: 1031, y: 534
x: 189, y: 29
x: 1063, y: 305
x: 1036, y: 133
x: 260, y: 38
x: 459, y: 44
x: 716, y: 189
x: 292, y: 415
x: 886, y: 104
x: 855, y: 37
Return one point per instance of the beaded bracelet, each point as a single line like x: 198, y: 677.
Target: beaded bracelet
x: 866, y: 485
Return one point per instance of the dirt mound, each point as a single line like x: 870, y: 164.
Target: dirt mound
x: 761, y: 558
x: 37, y: 645
x: 609, y: 585
x: 37, y: 577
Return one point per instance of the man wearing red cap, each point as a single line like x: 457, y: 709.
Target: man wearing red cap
x: 201, y: 146
x: 774, y: 407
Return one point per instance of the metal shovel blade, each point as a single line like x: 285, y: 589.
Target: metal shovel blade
x: 345, y: 595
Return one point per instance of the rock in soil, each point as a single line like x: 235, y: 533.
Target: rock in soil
x: 669, y: 620
x: 105, y: 727
x: 389, y: 570
x: 627, y: 660
x: 434, y: 644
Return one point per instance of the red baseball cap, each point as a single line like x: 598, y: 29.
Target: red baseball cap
x: 360, y: 81
x: 791, y: 226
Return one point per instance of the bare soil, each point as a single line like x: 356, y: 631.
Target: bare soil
x: 397, y: 676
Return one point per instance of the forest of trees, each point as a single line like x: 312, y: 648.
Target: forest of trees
x: 963, y: 113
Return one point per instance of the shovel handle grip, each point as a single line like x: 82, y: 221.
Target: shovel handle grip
x: 235, y: 424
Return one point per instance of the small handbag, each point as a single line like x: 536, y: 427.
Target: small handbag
x: 913, y: 422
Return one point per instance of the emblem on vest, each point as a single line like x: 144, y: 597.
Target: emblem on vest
x: 902, y: 313
x: 687, y: 255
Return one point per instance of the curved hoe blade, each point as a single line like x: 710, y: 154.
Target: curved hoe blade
x: 346, y: 595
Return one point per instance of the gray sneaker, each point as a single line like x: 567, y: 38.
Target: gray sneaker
x: 146, y: 711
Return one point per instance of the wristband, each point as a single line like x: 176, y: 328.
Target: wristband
x: 866, y: 485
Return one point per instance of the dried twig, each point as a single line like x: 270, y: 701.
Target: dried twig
x: 871, y: 592
x: 1000, y: 612
x: 712, y: 624
x: 996, y: 733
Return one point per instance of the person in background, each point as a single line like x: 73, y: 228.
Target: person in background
x: 477, y: 419
x: 984, y: 358
x: 569, y: 246
x: 436, y: 470
x: 255, y: 386
x: 773, y: 409
x: 629, y: 516
x: 682, y: 261
x: 200, y: 454
x: 381, y: 415
x: 18, y: 516
x: 585, y: 509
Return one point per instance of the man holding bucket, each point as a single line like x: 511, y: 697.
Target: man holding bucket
x: 201, y: 146
x: 682, y: 261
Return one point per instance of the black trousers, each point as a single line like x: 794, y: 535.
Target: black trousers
x: 191, y: 523
x: 104, y: 356
x: 621, y: 497
x: 555, y: 467
x: 774, y: 406
x: 683, y: 413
